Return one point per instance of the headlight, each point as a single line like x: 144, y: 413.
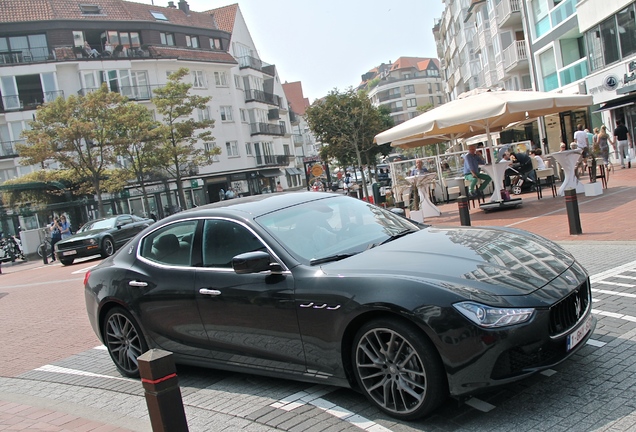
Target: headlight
x: 91, y: 241
x: 492, y: 317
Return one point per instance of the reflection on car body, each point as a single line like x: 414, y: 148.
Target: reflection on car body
x: 325, y: 288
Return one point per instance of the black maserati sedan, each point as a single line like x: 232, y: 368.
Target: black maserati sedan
x: 100, y: 237
x: 326, y: 288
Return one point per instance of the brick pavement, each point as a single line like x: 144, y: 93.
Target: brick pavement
x: 607, y: 219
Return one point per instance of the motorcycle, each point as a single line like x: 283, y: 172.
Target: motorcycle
x: 10, y: 248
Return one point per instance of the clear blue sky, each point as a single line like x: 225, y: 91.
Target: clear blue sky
x: 330, y: 43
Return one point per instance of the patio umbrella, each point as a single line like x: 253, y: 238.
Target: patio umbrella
x: 481, y: 113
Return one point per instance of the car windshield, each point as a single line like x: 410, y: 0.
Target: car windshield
x: 333, y: 228
x: 98, y: 224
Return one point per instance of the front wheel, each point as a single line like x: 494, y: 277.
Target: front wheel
x: 67, y: 261
x: 45, y: 248
x: 108, y: 247
x: 398, y: 369
x: 124, y: 341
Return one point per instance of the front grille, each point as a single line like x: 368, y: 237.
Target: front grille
x: 72, y: 244
x: 566, y: 313
x: 516, y: 360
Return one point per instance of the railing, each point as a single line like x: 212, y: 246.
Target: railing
x: 25, y: 56
x: 273, y: 160
x: 389, y: 97
x: 255, y: 63
x: 573, y: 72
x: 261, y: 96
x: 28, y: 101
x: 266, y: 129
x: 298, y: 139
x: 8, y: 150
x: 515, y: 53
x: 505, y: 9
x: 142, y: 92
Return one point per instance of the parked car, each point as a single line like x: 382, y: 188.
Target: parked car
x: 325, y: 288
x: 100, y: 236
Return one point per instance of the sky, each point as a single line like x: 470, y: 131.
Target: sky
x: 330, y: 44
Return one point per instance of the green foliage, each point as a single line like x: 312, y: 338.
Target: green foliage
x: 179, y: 132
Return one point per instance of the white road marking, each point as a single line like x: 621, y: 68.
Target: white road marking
x: 62, y: 370
x: 84, y: 270
x: 480, y: 405
x: 548, y: 372
x: 616, y: 293
x: 614, y: 315
x: 631, y: 266
x: 596, y: 343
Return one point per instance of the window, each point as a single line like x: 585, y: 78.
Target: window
x: 409, y: 89
x: 192, y: 41
x: 90, y: 9
x: 237, y: 82
x: 245, y: 118
x: 232, y: 148
x: 167, y: 38
x: 410, y: 103
x: 223, y: 240
x: 204, y: 114
x: 211, y: 151
x: 248, y: 149
x: 226, y: 113
x: 548, y: 68
x: 609, y: 40
x: 31, y: 47
x: 220, y: 79
x: 159, y: 16
x: 286, y: 151
x: 215, y: 44
x: 198, y: 79
x: 170, y: 245
x: 627, y: 30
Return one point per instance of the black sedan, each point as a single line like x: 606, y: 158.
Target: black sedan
x: 326, y: 288
x: 100, y: 236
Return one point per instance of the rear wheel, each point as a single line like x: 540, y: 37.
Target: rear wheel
x: 124, y: 341
x: 45, y: 248
x: 398, y: 369
x: 108, y: 247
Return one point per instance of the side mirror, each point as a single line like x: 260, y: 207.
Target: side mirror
x: 254, y: 262
x: 398, y: 211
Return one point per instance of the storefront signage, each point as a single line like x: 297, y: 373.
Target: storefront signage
x: 603, y: 86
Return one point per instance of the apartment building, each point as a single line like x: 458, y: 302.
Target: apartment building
x: 134, y: 47
x: 405, y: 87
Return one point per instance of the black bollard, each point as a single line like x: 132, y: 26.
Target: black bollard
x: 464, y: 210
x: 572, y: 207
x: 163, y: 396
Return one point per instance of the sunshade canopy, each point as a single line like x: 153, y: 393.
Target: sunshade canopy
x: 481, y: 113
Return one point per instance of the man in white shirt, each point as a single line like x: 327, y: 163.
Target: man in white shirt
x: 580, y: 137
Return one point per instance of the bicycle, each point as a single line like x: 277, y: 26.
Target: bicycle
x: 46, y: 245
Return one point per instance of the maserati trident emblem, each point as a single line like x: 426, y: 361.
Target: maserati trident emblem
x: 577, y: 307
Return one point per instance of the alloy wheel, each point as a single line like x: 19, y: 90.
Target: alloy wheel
x: 124, y: 343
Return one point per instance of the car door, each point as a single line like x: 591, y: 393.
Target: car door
x: 250, y: 319
x: 124, y: 230
x: 163, y: 278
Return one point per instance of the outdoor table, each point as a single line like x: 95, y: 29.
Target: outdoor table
x: 568, y: 159
x: 423, y: 183
x: 496, y: 173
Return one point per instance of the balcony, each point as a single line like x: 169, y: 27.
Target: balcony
x: 25, y: 56
x: 261, y: 96
x: 389, y: 97
x: 298, y: 139
x: 142, y: 92
x: 573, y: 72
x: 28, y: 101
x: 294, y: 118
x: 515, y: 57
x: 267, y: 129
x: 273, y: 114
x: 256, y: 64
x: 508, y: 13
x: 273, y: 160
x: 7, y: 149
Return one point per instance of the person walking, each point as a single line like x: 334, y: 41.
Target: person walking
x: 624, y: 140
x: 580, y: 137
x: 471, y: 172
x: 603, y: 140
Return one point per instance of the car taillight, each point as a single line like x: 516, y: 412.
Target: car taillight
x: 86, y: 276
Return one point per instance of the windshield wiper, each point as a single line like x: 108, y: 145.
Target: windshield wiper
x: 393, y: 237
x: 331, y: 258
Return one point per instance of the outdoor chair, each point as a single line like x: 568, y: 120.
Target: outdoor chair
x: 599, y: 172
x: 545, y: 177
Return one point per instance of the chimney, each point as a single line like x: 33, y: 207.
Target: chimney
x: 171, y: 5
x: 183, y: 5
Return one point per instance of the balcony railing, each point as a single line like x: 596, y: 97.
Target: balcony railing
x: 505, y: 10
x: 29, y: 101
x: 25, y: 56
x: 261, y: 96
x: 267, y: 129
x: 273, y: 160
x: 514, y: 55
x: 574, y: 72
x: 257, y: 64
x: 298, y: 139
x: 389, y: 97
x: 8, y: 150
x: 142, y: 92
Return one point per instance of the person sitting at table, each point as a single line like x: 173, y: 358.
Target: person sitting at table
x: 472, y: 173
x: 419, y: 168
x: 536, y: 154
x: 521, y: 165
x: 91, y: 52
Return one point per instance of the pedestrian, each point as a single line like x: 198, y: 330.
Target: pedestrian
x: 603, y: 140
x: 580, y: 137
x: 56, y: 234
x: 229, y: 194
x: 279, y: 188
x: 65, y: 227
x: 623, y: 138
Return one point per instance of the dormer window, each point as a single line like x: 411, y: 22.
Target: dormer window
x: 90, y: 9
x: 159, y: 16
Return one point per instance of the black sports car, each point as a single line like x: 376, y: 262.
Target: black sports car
x: 100, y: 237
x: 326, y: 288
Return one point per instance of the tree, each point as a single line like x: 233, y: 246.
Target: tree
x: 347, y: 122
x: 79, y: 132
x: 138, y: 142
x: 178, y: 131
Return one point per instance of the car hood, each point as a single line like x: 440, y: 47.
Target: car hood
x: 86, y: 234
x: 492, y: 260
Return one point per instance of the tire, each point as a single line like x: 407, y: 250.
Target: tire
x: 124, y: 341
x: 67, y: 261
x: 45, y: 246
x: 516, y: 190
x: 398, y: 369
x: 108, y: 247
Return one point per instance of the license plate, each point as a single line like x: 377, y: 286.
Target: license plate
x: 579, y: 333
x: 69, y: 253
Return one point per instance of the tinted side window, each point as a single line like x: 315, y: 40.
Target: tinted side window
x: 124, y: 220
x: 223, y: 240
x: 171, y: 245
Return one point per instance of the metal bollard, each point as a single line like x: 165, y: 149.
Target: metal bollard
x: 464, y: 210
x: 163, y: 396
x: 45, y: 259
x: 572, y: 207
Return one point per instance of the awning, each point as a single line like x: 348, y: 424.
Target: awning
x: 293, y: 171
x: 32, y: 186
x: 617, y: 103
x: 269, y: 173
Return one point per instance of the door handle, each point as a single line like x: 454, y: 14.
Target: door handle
x: 137, y: 284
x: 210, y: 292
